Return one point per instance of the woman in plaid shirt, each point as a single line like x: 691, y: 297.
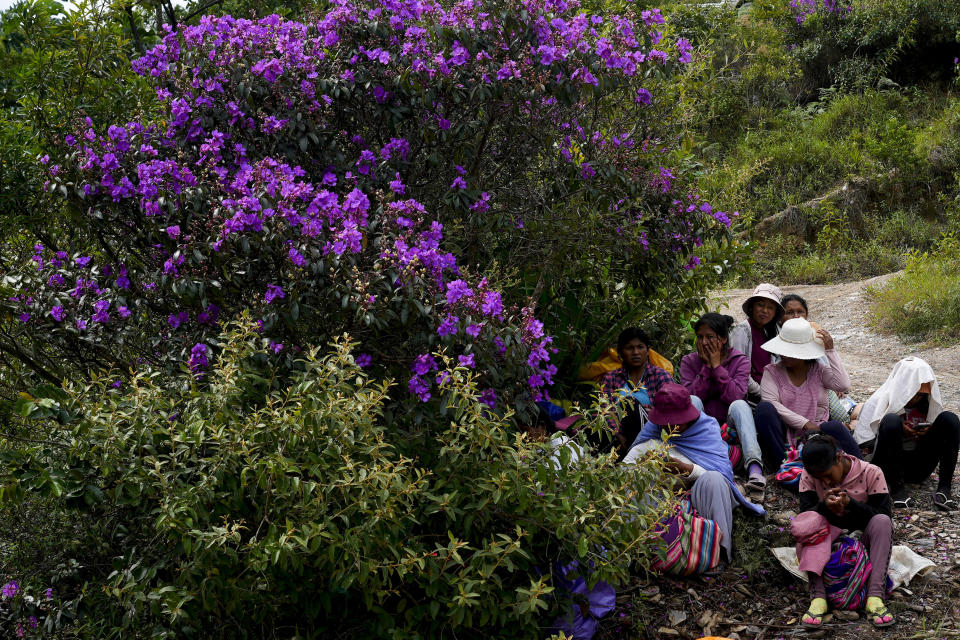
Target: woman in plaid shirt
x: 637, y: 380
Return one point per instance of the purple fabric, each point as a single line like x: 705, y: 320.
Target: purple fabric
x: 759, y: 357
x: 602, y: 599
x: 717, y: 387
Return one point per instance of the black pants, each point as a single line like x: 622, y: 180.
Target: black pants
x: 773, y: 442
x: 937, y: 447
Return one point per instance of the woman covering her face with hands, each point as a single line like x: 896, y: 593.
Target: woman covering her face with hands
x: 717, y: 377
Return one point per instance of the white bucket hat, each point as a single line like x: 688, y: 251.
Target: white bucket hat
x: 797, y: 339
x: 768, y: 291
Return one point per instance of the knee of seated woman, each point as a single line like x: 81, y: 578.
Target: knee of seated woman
x: 712, y: 477
x: 880, y: 521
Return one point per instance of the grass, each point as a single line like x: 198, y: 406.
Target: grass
x: 922, y: 303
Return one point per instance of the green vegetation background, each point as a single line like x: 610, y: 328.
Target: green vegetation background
x: 837, y: 140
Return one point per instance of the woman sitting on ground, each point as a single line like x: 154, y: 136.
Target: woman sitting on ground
x: 914, y: 435
x: 794, y: 392
x: 794, y: 306
x: 696, y: 454
x: 763, y: 311
x: 849, y: 494
x: 717, y: 377
x: 633, y: 385
x: 545, y: 429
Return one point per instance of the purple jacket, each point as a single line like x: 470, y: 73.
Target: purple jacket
x: 717, y: 388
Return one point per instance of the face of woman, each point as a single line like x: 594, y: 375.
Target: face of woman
x: 763, y: 311
x: 833, y: 476
x: 793, y: 309
x: 634, y: 354
x: 707, y: 336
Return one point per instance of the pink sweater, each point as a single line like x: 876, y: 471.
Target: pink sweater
x: 808, y: 402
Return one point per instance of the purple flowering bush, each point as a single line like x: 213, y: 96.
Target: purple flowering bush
x: 415, y: 175
x: 309, y: 513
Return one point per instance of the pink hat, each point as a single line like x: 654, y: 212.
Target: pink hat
x: 815, y: 538
x: 768, y: 291
x: 671, y: 405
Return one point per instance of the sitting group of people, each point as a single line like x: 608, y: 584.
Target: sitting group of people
x: 776, y: 384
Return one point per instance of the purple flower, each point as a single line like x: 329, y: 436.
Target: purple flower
x: 101, y: 314
x: 466, y: 360
x: 458, y: 183
x: 116, y: 384
x: 273, y: 292
x: 456, y: 290
x: 489, y: 398
x: 423, y: 364
x: 492, y: 304
x: 177, y: 319
x: 449, y: 326
x: 276, y: 347
x: 49, y: 594
x: 123, y: 312
x: 58, y: 313
x: 24, y: 317
x: 643, y: 96
x: 296, y: 257
x: 173, y: 231
x: 474, y: 330
x: 81, y: 325
x: 363, y: 360
x: 10, y: 589
x: 198, y: 358
x: 82, y: 261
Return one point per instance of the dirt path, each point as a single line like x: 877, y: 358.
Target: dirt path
x: 842, y: 309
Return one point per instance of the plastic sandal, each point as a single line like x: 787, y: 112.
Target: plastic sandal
x: 812, y: 620
x: 905, y: 503
x: 881, y: 616
x: 944, y: 502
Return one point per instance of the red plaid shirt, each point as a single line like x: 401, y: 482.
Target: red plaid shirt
x: 653, y: 378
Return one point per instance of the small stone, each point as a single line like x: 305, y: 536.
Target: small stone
x: 827, y: 618
x: 846, y: 615
x: 704, y: 620
x: 676, y: 617
x: 667, y: 631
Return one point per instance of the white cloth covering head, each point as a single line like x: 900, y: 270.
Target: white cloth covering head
x: 904, y: 381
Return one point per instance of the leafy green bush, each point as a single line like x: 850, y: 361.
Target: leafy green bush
x: 234, y: 511
x: 922, y: 303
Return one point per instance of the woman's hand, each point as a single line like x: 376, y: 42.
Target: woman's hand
x: 836, y: 500
x: 811, y: 427
x: 826, y: 338
x: 711, y: 353
x: 674, y: 466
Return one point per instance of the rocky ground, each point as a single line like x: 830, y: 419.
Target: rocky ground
x: 760, y: 600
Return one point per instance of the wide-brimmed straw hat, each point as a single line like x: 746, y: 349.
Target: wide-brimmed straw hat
x: 768, y: 291
x: 672, y: 405
x: 797, y: 339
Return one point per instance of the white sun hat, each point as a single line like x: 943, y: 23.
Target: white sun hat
x: 797, y: 339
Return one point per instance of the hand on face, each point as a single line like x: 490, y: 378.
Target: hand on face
x: 710, y: 352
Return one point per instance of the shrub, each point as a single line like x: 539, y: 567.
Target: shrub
x: 411, y: 175
x: 922, y: 303
x: 233, y: 511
